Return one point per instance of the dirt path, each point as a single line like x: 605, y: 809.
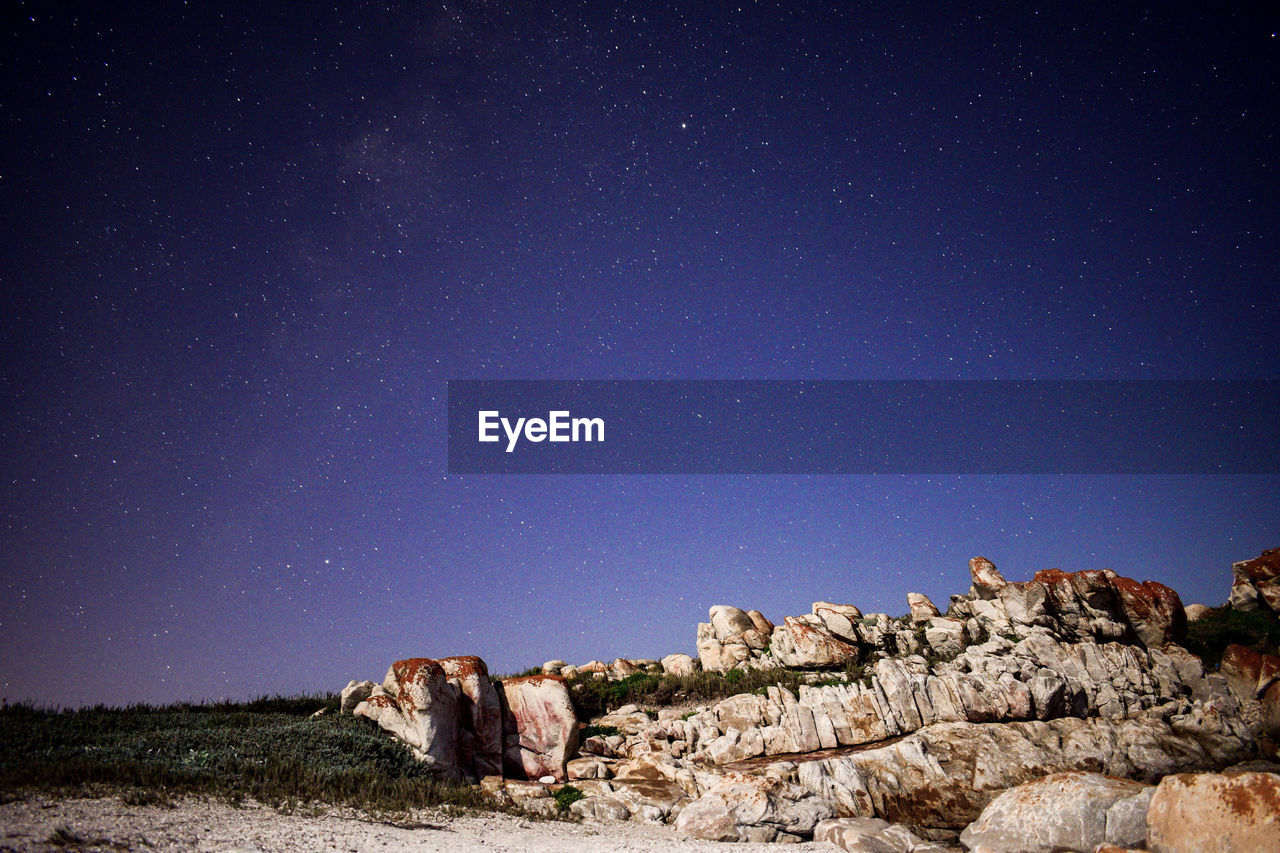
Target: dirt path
x: 107, y: 824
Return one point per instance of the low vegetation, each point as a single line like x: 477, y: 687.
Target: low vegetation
x: 567, y: 796
x: 595, y: 696
x: 270, y: 750
x: 1222, y: 626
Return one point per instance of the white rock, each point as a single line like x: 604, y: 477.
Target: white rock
x: 1060, y: 811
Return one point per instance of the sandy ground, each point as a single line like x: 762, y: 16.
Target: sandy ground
x: 202, y: 825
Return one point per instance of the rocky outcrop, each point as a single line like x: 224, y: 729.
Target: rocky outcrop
x: 1196, y: 612
x: 454, y: 720
x: 1249, y: 673
x: 945, y: 775
x: 1094, y: 605
x: 733, y: 639
x: 1039, y: 677
x: 619, y: 669
x: 541, y: 728
x: 753, y: 808
x: 1193, y: 813
x: 1063, y: 811
x: 1256, y: 583
x: 922, y: 609
x: 1254, y: 678
x: 931, y: 721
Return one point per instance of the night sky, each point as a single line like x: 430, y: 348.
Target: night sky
x: 245, y: 245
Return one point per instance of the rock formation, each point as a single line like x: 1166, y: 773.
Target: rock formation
x: 1035, y: 715
x: 417, y: 703
x: 1256, y: 583
x: 541, y: 728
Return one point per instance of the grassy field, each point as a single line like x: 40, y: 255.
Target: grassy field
x: 270, y: 750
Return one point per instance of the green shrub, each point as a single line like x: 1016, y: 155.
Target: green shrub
x: 595, y: 696
x: 1222, y: 626
x: 600, y: 731
x: 567, y: 796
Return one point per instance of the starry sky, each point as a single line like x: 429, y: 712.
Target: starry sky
x: 245, y: 246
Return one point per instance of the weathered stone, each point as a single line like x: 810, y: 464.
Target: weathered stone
x: 1153, y: 610
x: 763, y: 625
x: 741, y: 807
x: 1062, y: 811
x: 680, y: 664
x: 1191, y: 813
x: 419, y: 706
x: 649, y: 796
x: 1026, y: 604
x: 840, y: 619
x: 1248, y: 672
x: 922, y: 609
x: 855, y: 834
x: 1256, y: 582
x: 1269, y: 712
x: 541, y: 727
x: 729, y: 621
x: 1084, y: 604
x: 588, y: 767
x: 1196, y: 612
x: 553, y: 667
x: 628, y: 720
x: 353, y: 694
x: 1127, y: 819
x: 987, y: 580
x: 801, y: 645
x: 621, y: 668
x: 945, y: 636
x: 604, y: 809
x: 480, y: 737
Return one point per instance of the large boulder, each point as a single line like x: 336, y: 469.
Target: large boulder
x: 840, y: 619
x: 922, y: 608
x: 1196, y: 612
x: 417, y: 704
x: 1063, y: 811
x: 1256, y: 583
x: 740, y: 807
x: 680, y: 664
x: 480, y: 738
x: 541, y: 728
x: 729, y: 621
x: 987, y: 580
x: 1085, y: 604
x: 806, y: 643
x: 1191, y: 813
x: 1248, y: 672
x: 353, y: 694
x: 1153, y: 611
